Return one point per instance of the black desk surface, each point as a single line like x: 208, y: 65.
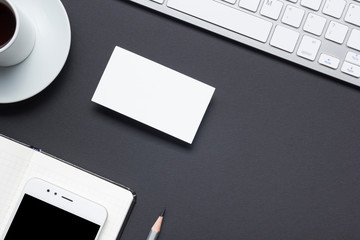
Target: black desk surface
x: 277, y: 155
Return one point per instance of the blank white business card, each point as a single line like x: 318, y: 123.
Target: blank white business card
x: 153, y: 94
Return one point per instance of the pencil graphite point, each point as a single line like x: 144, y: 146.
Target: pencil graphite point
x: 162, y: 214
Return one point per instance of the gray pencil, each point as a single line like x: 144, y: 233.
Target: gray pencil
x: 155, y: 230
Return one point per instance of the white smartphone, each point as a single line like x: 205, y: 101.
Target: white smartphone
x: 46, y: 211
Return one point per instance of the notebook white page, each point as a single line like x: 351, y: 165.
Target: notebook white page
x: 14, y: 160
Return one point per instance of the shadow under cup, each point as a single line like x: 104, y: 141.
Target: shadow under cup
x: 7, y: 24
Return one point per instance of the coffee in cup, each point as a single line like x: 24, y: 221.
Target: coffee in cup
x: 17, y: 34
x: 7, y: 24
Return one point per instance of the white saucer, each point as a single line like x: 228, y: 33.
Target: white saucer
x: 53, y: 37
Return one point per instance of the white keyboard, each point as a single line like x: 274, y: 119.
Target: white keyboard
x: 323, y: 35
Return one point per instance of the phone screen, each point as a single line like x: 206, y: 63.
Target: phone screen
x: 36, y: 219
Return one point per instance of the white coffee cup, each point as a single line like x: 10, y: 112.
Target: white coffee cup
x: 20, y: 44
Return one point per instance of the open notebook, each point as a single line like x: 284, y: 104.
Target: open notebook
x: 19, y: 163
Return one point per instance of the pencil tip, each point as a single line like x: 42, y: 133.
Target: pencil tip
x: 163, y: 212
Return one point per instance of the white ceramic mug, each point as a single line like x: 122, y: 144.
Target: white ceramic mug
x: 20, y: 45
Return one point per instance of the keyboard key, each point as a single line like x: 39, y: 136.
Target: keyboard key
x: 312, y: 4
x: 251, y: 5
x: 271, y: 9
x: 329, y: 61
x: 309, y: 48
x: 314, y: 24
x: 334, y: 8
x: 293, y: 16
x: 353, y: 58
x: 225, y: 17
x: 336, y: 32
x: 351, y: 69
x: 354, y: 39
x: 230, y: 1
x: 353, y: 14
x: 158, y: 1
x: 284, y: 38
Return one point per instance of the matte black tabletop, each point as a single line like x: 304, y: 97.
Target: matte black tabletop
x: 277, y: 155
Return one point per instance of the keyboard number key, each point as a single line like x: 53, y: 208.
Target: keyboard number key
x: 329, y: 61
x: 334, y: 8
x: 354, y: 39
x: 336, y: 32
x: 293, y: 16
x: 351, y: 69
x: 309, y: 48
x: 314, y: 24
x: 271, y: 9
x: 284, y: 39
